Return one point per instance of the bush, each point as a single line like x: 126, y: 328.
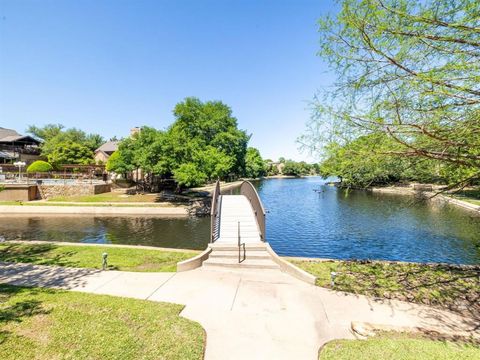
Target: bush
x: 39, y: 166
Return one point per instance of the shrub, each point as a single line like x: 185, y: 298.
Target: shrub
x: 39, y: 166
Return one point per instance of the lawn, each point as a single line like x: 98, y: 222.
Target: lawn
x: 398, y: 347
x: 53, y: 324
x: 447, y: 286
x: 119, y: 258
x: 110, y: 197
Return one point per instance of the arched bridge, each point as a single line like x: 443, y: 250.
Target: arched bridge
x: 237, y: 236
x: 236, y: 217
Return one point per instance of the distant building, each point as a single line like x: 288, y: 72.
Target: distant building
x: 105, y: 151
x: 17, y: 147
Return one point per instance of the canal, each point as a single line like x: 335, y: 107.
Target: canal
x: 305, y: 217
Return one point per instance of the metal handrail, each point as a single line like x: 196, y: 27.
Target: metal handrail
x: 214, y: 213
x: 249, y: 191
x: 240, y: 247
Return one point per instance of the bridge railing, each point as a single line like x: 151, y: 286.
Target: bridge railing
x: 249, y: 191
x: 215, y: 213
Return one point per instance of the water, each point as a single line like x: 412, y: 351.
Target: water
x: 335, y: 224
x: 173, y: 232
x: 301, y: 222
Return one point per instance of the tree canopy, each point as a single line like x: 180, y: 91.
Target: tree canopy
x: 409, y: 84
x: 66, y: 146
x: 203, y: 144
x: 255, y: 167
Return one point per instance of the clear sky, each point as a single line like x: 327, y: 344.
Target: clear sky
x: 106, y: 66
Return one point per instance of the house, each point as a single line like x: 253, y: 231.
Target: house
x: 17, y: 147
x: 105, y: 151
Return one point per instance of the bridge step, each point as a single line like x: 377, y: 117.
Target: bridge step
x: 233, y: 254
x: 247, y: 263
x: 259, y: 246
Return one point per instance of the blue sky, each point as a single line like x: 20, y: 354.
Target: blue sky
x: 106, y: 66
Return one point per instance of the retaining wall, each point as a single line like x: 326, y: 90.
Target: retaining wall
x: 57, y: 190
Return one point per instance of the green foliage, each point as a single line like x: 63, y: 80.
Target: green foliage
x: 255, y: 167
x: 293, y: 168
x: 407, y: 72
x: 189, y: 175
x: 203, y: 144
x: 70, y: 153
x: 39, y: 166
x: 66, y: 146
x: 116, y: 163
x: 272, y: 169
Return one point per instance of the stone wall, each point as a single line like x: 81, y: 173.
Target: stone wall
x: 50, y: 191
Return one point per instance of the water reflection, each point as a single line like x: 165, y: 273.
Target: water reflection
x: 188, y: 233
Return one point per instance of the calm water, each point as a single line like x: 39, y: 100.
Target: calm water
x: 186, y: 233
x: 301, y: 222
x: 333, y: 224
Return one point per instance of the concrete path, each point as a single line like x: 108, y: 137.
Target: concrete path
x: 247, y: 314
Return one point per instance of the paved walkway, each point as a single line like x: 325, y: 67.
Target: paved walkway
x: 247, y: 314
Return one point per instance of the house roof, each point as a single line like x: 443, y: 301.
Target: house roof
x: 109, y: 147
x: 7, y: 132
x: 10, y: 135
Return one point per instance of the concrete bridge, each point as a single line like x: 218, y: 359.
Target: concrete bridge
x: 238, y: 231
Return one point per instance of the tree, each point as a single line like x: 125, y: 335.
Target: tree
x: 188, y: 175
x: 70, y: 153
x: 55, y: 137
x: 254, y: 165
x: 407, y: 71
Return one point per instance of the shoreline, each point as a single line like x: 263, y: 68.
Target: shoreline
x: 95, y: 209
x: 66, y: 243
x: 430, y: 195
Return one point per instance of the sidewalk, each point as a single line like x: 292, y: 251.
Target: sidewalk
x: 247, y: 314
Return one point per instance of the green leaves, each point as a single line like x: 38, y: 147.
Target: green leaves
x: 39, y: 166
x: 203, y: 144
x: 406, y: 71
x: 70, y: 146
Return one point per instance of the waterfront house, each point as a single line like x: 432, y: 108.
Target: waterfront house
x: 17, y: 147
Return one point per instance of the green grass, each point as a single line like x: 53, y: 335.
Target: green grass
x: 126, y: 259
x: 450, y: 287
x: 109, y: 197
x: 52, y: 324
x: 398, y: 347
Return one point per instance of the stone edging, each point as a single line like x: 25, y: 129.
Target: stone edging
x: 93, y: 210
x: 460, y: 203
x: 289, y: 268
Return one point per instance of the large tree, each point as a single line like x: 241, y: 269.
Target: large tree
x: 409, y: 71
x: 204, y: 143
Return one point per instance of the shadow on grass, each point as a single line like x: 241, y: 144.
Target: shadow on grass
x: 456, y: 288
x: 17, y: 311
x: 35, y: 254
